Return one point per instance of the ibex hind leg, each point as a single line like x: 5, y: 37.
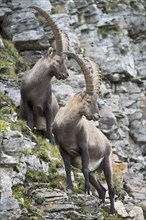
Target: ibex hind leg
x: 107, y: 168
x: 97, y: 185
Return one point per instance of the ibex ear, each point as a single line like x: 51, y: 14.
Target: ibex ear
x: 51, y: 52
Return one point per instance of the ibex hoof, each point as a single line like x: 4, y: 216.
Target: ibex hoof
x: 101, y: 203
x: 88, y: 193
x: 69, y: 191
x: 112, y: 212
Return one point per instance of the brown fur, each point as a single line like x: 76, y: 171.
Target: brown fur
x: 83, y: 145
x: 38, y: 103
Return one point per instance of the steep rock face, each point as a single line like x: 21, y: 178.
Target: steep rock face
x: 113, y: 34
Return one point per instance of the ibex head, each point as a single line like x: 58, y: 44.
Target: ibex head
x: 62, y: 44
x: 88, y: 98
x: 89, y: 107
x: 57, y: 65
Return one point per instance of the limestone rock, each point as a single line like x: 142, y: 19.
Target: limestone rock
x: 121, y: 209
x: 44, y: 4
x: 136, y: 213
x: 1, y: 44
x: 9, y: 208
x: 23, y: 28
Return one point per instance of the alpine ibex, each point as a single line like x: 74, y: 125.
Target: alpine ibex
x: 38, y: 104
x: 81, y: 144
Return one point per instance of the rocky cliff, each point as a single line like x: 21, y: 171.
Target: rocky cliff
x: 113, y: 34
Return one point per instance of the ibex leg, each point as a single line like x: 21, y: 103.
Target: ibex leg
x: 107, y: 168
x: 48, y: 116
x: 67, y: 163
x: 85, y: 170
x: 29, y: 115
x: 100, y: 189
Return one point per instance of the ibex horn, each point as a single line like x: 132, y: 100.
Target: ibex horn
x: 87, y: 73
x: 96, y: 75
x: 57, y: 33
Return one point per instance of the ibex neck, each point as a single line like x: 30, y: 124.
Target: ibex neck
x: 41, y: 73
x: 69, y: 116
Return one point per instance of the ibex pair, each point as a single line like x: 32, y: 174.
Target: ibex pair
x: 38, y: 104
x: 81, y: 144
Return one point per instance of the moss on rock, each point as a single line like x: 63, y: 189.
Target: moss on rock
x: 10, y: 61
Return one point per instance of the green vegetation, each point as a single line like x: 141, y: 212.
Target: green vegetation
x: 108, y: 216
x: 27, y: 151
x: 46, y: 151
x: 19, y: 125
x: 119, y: 188
x: 105, y: 30
x: 114, y: 5
x: 41, y: 20
x: 6, y: 105
x: 58, y: 9
x: 36, y: 176
x: 134, y: 4
x: 10, y: 61
x: 50, y: 154
x: 25, y: 197
x: 7, y: 112
x: 3, y: 125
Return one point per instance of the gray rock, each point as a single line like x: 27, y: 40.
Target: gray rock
x: 133, y: 114
x: 13, y: 93
x: 35, y: 163
x: 23, y: 28
x: 3, y: 12
x: 13, y: 144
x: 7, y: 161
x: 108, y: 121
x: 1, y: 44
x: 120, y: 208
x: 137, y: 131
x: 44, y: 4
x: 136, y: 213
x: 139, y: 57
x: 9, y: 205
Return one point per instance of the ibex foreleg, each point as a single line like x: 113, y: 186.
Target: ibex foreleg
x: 29, y: 116
x: 85, y: 170
x: 67, y: 163
x: 48, y: 133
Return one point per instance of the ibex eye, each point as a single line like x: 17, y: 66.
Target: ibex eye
x: 59, y: 62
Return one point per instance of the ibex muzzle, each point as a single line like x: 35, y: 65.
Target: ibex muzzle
x: 61, y: 71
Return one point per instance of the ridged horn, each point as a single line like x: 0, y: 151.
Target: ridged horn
x: 86, y: 71
x: 57, y: 33
x: 97, y: 76
x: 65, y: 41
